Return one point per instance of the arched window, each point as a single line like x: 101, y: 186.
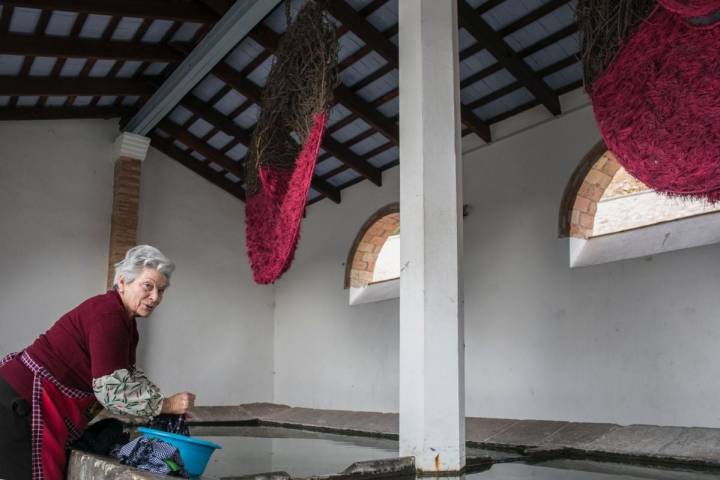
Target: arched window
x: 609, y: 215
x: 372, y: 270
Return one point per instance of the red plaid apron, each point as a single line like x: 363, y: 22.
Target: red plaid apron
x: 59, y: 416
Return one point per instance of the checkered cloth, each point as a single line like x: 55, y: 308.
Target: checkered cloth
x: 152, y: 455
x: 41, y: 373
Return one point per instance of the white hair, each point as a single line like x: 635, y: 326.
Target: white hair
x: 138, y: 258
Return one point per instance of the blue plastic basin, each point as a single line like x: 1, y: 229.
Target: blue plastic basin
x: 195, y: 453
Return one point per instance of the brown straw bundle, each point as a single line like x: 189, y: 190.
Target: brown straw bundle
x: 300, y: 85
x: 604, y: 25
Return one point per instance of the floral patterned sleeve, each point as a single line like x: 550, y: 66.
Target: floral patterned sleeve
x: 126, y: 392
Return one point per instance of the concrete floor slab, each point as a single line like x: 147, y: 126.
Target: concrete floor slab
x: 478, y: 430
x: 647, y: 440
x: 575, y: 434
x: 526, y: 433
x: 383, y: 424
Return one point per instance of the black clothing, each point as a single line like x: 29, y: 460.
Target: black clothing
x: 15, y: 435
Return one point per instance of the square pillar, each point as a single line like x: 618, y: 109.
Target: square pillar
x: 432, y: 380
x: 129, y: 151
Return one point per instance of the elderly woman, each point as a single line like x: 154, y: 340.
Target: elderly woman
x: 50, y: 390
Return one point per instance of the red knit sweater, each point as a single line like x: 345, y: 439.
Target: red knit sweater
x: 94, y: 339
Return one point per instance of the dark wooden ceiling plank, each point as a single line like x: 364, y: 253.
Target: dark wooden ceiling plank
x: 216, y: 178
x: 53, y: 113
x: 161, y: 9
x: 380, y: 43
x: 71, y: 86
x: 532, y: 16
x: 60, y: 62
x: 137, y: 36
x: 67, y: 47
x: 549, y: 70
x: 367, y: 113
x: 207, y: 151
x: 7, y: 13
x: 363, y: 29
x: 529, y: 50
x: 495, y: 44
x: 40, y: 27
x: 90, y: 63
x: 487, y: 6
x: 533, y: 103
x: 212, y: 116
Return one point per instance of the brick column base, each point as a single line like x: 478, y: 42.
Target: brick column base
x: 125, y: 211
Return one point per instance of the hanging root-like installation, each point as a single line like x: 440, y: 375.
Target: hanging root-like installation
x: 286, y: 140
x: 653, y: 74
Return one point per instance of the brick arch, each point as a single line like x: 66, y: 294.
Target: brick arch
x: 585, y: 188
x: 365, y: 249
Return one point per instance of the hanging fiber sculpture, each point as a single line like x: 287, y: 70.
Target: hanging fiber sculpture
x: 286, y: 140
x: 656, y: 97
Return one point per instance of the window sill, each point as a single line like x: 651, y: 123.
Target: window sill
x: 375, y: 292
x: 650, y: 240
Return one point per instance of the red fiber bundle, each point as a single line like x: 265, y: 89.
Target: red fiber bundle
x: 273, y: 215
x: 691, y: 8
x: 658, y: 104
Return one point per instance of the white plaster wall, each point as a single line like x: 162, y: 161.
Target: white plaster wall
x: 628, y: 342
x: 55, y: 202
x: 214, y: 332
x: 327, y: 354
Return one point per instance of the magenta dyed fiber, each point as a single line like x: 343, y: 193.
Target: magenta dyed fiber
x: 273, y: 215
x: 658, y: 104
x: 691, y: 8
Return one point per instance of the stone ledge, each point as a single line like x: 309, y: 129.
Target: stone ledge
x: 645, y: 443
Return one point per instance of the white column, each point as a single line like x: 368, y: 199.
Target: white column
x: 432, y: 380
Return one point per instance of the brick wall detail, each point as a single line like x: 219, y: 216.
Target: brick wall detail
x: 582, y: 217
x: 369, y: 241
x: 125, y: 210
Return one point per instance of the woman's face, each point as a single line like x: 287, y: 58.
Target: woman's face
x: 144, y: 294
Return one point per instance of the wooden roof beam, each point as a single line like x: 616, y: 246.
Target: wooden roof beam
x: 549, y: 70
x: 380, y: 43
x: 54, y: 113
x: 175, y: 10
x: 66, y: 47
x: 68, y: 86
x: 495, y: 44
x: 209, y: 152
x: 525, y: 52
x: 216, y: 178
x: 243, y: 136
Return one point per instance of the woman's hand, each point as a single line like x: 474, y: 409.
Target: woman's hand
x: 178, y: 404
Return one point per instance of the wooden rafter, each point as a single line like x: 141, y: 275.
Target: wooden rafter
x: 204, y: 149
x: 10, y: 86
x: 180, y: 11
x: 36, y: 45
x: 226, y: 124
x: 200, y: 168
x: 53, y: 113
x: 495, y: 44
x: 511, y: 87
x: 381, y: 44
x: 521, y: 22
x: 525, y: 52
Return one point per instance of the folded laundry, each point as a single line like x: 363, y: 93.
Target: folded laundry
x: 152, y: 455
